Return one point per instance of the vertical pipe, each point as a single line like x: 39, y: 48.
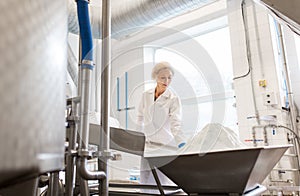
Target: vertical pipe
x: 84, y: 188
x: 126, y: 100
x: 54, y: 184
x: 77, y: 176
x: 85, y: 86
x: 105, y: 92
x: 86, y: 69
x: 86, y: 79
x: 70, y: 165
x: 71, y: 160
x: 86, y: 62
x: 79, y: 73
x: 266, y: 140
x: 97, y: 79
x: 118, y: 94
x: 74, y: 129
x: 249, y: 59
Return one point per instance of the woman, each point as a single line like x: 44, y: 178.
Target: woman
x: 159, y: 116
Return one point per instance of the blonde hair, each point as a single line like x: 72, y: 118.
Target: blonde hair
x: 160, y: 66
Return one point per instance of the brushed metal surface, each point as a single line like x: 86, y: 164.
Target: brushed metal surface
x: 123, y: 140
x: 25, y: 188
x: 33, y: 51
x: 222, y: 172
x: 127, y: 141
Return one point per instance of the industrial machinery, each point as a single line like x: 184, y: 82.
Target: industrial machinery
x: 33, y: 52
x: 228, y: 172
x: 33, y: 62
x: 219, y: 172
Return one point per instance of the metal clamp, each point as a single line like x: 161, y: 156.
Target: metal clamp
x: 85, y: 153
x: 107, y: 154
x: 73, y: 153
x: 73, y: 118
x: 76, y: 99
x: 87, y: 62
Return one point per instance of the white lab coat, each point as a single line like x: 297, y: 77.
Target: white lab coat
x: 160, y: 121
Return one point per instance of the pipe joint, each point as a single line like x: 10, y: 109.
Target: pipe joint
x: 106, y: 154
x: 87, y: 64
x: 85, y: 153
x: 89, y: 175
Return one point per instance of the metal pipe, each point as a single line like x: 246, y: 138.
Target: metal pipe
x: 249, y: 59
x: 78, y: 179
x: 54, y: 184
x: 85, y: 85
x: 86, y: 69
x: 97, y: 78
x: 71, y: 159
x: 70, y: 163
x: 86, y: 78
x: 156, y: 178
x: 84, y: 188
x: 254, y: 134
x: 89, y: 175
x: 105, y: 92
x: 266, y: 141
x: 79, y: 75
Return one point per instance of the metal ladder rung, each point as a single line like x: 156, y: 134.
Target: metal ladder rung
x: 290, y: 155
x: 283, y: 169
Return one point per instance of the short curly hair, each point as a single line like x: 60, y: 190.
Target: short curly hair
x: 160, y: 66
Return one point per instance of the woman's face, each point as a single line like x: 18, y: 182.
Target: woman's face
x: 164, y: 79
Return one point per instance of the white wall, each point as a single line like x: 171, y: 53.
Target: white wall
x: 130, y: 60
x: 263, y: 67
x: 251, y: 105
x: 293, y: 62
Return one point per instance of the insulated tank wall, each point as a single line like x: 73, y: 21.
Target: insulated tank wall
x: 33, y: 47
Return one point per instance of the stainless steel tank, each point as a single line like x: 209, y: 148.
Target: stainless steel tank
x: 33, y: 46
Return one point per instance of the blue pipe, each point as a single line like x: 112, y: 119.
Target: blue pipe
x: 85, y: 33
x: 87, y: 67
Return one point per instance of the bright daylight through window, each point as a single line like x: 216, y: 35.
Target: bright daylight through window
x: 217, y: 44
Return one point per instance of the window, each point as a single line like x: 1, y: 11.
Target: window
x: 193, y: 82
x: 297, y: 42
